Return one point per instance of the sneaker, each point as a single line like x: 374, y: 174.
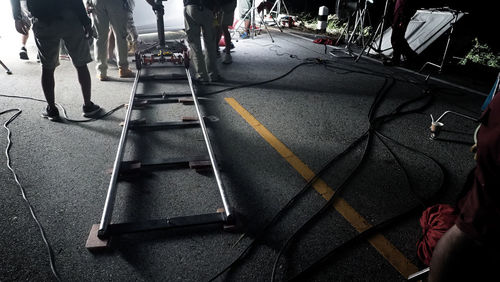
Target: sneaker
x: 227, y: 59
x: 102, y: 77
x: 244, y: 35
x: 23, y: 54
x: 126, y: 73
x: 90, y: 110
x: 51, y: 114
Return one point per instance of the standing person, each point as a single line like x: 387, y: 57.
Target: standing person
x: 199, y: 17
x: 244, y: 7
x: 227, y: 10
x: 55, y: 20
x: 104, y: 14
x: 469, y: 250
x: 403, y: 12
x: 26, y: 19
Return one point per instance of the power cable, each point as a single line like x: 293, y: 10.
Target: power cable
x: 23, y: 192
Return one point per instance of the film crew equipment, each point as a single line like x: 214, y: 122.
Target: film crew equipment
x: 378, y: 32
x: 360, y: 16
x: 7, y: 70
x: 456, y: 16
x: 276, y: 9
x: 250, y: 15
x: 159, y: 10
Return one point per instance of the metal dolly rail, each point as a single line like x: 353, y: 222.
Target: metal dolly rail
x: 101, y: 233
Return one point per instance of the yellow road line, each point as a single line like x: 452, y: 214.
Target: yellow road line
x: 378, y: 241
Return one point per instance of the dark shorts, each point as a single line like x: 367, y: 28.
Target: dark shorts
x: 49, y: 34
x: 480, y: 208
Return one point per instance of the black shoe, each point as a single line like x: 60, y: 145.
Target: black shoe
x: 23, y: 54
x: 90, y: 110
x: 51, y: 114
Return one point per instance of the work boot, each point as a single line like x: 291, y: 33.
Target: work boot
x: 126, y: 73
x: 102, y: 77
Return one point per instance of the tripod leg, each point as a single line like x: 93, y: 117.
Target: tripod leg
x: 5, y: 67
x: 368, y: 43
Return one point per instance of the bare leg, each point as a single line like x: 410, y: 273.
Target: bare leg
x: 227, y: 38
x: 48, y: 85
x: 24, y: 39
x: 85, y: 83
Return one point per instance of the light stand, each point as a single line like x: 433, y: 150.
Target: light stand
x: 7, y: 70
x: 277, y: 5
x: 379, y: 31
x: 450, y: 34
x: 359, y: 25
x: 252, y: 30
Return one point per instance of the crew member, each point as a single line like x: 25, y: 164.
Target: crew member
x: 469, y: 250
x: 114, y: 13
x: 199, y: 17
x: 55, y: 20
x: 403, y: 12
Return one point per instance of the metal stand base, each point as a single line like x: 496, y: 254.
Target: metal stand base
x: 7, y: 70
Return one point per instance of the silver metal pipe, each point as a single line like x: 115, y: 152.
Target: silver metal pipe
x: 455, y: 113
x: 110, y: 197
x: 209, y: 148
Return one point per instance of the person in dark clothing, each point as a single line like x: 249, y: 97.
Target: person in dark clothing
x: 469, y: 250
x: 403, y: 12
x: 54, y: 20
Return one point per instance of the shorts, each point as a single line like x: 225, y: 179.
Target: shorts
x: 480, y: 208
x: 49, y: 34
x: 228, y: 13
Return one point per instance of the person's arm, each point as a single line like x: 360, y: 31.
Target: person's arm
x: 21, y: 26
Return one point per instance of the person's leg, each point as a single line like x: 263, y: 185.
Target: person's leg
x: 85, y: 83
x: 111, y: 45
x: 23, y: 53
x: 207, y: 25
x: 48, y: 85
x: 193, y: 36
x: 118, y: 17
x: 101, y: 23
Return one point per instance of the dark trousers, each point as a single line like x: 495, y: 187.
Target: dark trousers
x: 403, y: 12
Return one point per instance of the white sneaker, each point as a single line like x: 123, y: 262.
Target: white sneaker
x: 227, y: 59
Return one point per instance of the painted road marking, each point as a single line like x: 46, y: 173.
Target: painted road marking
x: 378, y: 241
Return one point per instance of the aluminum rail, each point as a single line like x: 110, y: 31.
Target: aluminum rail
x: 209, y: 148
x: 111, y: 195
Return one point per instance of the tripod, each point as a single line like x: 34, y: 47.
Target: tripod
x: 5, y: 67
x: 250, y: 15
x: 380, y: 32
x: 277, y: 5
x: 359, y: 25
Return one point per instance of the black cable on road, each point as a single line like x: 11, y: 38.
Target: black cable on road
x: 50, y: 252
